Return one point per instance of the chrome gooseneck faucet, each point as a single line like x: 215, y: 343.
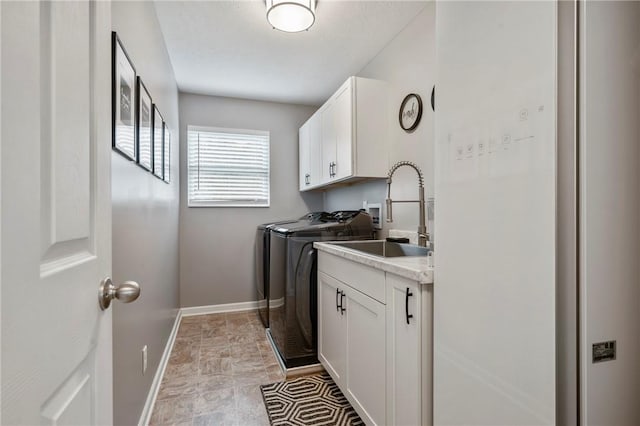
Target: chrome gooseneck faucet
x: 423, y: 236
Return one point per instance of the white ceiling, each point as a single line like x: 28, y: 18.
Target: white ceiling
x: 227, y: 48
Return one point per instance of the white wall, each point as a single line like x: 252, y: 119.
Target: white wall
x: 407, y: 63
x: 145, y: 223
x: 494, y: 293
x: 216, y: 244
x: 610, y: 208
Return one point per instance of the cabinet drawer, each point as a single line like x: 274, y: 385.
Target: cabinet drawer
x: 363, y: 278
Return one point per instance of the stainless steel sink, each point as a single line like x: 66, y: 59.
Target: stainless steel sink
x: 385, y: 248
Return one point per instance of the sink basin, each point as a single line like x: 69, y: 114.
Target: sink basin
x: 385, y: 248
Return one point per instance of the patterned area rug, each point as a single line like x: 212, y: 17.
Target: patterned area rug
x: 310, y: 400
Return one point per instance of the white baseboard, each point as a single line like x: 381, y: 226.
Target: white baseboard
x: 145, y: 417
x: 214, y: 309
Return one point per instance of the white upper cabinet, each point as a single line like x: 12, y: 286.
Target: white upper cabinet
x: 350, y: 135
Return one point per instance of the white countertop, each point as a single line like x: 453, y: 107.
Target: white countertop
x: 411, y: 267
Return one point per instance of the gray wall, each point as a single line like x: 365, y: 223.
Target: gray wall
x: 407, y: 63
x: 216, y: 244
x: 145, y: 224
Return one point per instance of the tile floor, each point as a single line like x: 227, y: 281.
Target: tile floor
x: 214, y: 372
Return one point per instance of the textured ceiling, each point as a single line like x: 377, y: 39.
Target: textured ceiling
x: 227, y: 48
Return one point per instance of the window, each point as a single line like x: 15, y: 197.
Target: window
x: 227, y: 167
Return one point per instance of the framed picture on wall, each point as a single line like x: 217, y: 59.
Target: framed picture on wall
x: 143, y: 114
x: 158, y: 143
x: 167, y: 154
x: 123, y: 88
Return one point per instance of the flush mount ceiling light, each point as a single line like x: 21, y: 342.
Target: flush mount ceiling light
x: 291, y: 16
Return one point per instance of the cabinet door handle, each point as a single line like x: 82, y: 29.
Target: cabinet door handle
x: 406, y: 304
x: 335, y: 169
x: 337, y: 303
x: 332, y: 169
x: 342, y: 308
x: 306, y: 179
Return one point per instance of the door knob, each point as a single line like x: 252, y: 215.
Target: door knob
x: 126, y: 292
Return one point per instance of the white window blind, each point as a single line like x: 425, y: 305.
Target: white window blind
x: 228, y: 167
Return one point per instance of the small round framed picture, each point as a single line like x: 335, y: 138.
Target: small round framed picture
x: 410, y: 112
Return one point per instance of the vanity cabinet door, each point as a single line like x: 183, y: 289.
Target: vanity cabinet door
x: 366, y: 356
x: 404, y: 352
x: 332, y: 333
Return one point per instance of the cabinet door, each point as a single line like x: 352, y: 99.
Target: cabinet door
x: 304, y: 146
x: 315, y: 150
x: 343, y: 118
x: 366, y: 356
x: 328, y: 140
x: 332, y: 336
x: 404, y: 396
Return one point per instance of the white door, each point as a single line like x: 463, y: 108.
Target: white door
x: 56, y: 212
x: 495, y: 180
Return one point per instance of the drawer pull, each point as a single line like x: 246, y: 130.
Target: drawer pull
x: 337, y: 303
x: 342, y: 308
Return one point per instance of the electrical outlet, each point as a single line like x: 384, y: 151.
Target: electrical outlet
x: 144, y: 359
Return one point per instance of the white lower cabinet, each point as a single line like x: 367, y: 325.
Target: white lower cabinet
x: 351, y: 345
x: 376, y: 347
